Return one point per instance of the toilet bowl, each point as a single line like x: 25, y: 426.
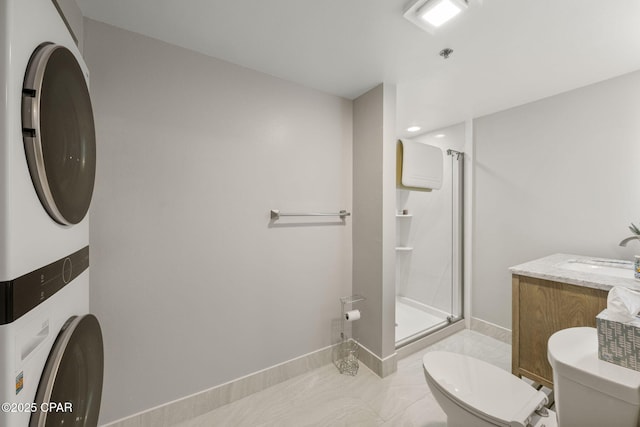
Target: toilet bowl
x: 588, y: 391
x: 474, y: 393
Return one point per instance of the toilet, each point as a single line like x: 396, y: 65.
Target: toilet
x: 588, y: 391
x: 474, y: 393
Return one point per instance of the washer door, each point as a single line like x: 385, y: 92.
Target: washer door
x: 70, y: 388
x: 59, y: 133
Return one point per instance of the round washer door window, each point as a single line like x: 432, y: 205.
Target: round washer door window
x: 59, y: 133
x: 70, y: 388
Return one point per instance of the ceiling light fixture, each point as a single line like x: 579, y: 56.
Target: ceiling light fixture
x: 413, y: 128
x: 431, y: 14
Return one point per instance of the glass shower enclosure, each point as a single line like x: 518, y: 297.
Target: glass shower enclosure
x: 429, y: 249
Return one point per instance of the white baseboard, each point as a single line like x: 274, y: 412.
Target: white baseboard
x: 380, y: 367
x: 492, y: 330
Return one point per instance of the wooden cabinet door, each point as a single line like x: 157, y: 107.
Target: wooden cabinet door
x: 543, y: 307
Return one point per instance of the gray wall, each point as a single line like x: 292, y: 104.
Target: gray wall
x: 374, y: 218
x: 557, y: 175
x: 192, y: 285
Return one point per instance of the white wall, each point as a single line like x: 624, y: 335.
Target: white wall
x: 557, y: 175
x: 192, y: 285
x: 374, y: 218
x: 424, y: 274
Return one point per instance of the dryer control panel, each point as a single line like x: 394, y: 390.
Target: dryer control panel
x: 23, y: 294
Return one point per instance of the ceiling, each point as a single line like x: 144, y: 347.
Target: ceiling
x: 506, y: 52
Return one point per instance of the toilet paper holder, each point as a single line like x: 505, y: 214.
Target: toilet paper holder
x: 348, y: 300
x: 346, y: 352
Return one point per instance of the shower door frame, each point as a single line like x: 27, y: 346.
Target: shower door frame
x: 457, y: 257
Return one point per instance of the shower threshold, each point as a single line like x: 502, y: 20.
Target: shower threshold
x: 415, y: 320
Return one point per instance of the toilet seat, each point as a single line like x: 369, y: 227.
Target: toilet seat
x: 482, y: 389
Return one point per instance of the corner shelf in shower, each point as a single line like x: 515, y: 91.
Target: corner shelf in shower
x: 404, y: 216
x: 404, y: 248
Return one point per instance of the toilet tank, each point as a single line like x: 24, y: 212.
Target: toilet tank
x: 589, y: 391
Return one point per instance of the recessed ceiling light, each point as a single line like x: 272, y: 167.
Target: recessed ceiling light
x: 437, y: 13
x: 440, y: 135
x: 431, y: 14
x: 413, y: 128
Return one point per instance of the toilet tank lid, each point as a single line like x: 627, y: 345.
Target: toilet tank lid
x: 573, y: 354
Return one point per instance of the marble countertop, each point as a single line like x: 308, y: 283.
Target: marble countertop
x: 548, y: 268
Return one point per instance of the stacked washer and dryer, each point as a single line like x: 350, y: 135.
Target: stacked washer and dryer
x: 51, y: 354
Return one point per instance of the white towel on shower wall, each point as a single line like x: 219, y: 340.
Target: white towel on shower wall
x: 422, y: 165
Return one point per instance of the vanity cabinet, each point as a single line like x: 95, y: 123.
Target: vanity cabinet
x: 540, y: 308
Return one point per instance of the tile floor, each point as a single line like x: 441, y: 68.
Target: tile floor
x: 323, y: 397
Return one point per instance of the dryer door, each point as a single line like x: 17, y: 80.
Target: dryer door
x: 59, y: 133
x: 70, y: 388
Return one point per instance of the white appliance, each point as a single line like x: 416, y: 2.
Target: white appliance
x: 51, y: 355
x: 51, y: 358
x: 46, y: 133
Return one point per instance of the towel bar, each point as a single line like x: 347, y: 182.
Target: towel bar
x: 276, y: 214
